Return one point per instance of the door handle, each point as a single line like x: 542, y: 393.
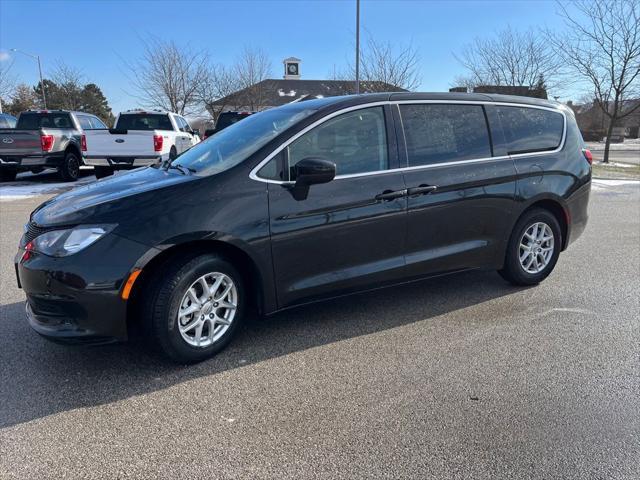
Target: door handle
x: 422, y: 190
x: 391, y: 194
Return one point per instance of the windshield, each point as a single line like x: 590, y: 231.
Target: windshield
x: 235, y: 143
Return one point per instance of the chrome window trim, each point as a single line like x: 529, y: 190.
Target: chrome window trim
x: 254, y: 172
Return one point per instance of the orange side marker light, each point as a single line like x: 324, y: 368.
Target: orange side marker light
x: 126, y: 291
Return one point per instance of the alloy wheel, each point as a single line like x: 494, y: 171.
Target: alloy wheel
x: 207, y: 309
x: 536, y: 247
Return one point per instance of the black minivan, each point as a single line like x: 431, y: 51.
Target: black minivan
x: 304, y: 202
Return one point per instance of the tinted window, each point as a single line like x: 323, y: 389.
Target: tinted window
x: 236, y: 143
x: 444, y: 133
x: 531, y: 129
x: 356, y: 142
x: 144, y: 121
x: 85, y: 122
x: 32, y: 121
x: 97, y: 124
x: 229, y: 118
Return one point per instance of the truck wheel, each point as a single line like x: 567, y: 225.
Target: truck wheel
x: 8, y: 174
x: 195, y: 306
x: 101, y: 172
x: 69, y: 170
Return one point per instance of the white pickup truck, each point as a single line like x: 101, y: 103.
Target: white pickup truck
x: 139, y: 138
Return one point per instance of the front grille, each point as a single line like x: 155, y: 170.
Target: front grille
x: 32, y: 231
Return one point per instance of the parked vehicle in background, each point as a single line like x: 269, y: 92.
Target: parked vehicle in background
x: 46, y: 138
x: 139, y: 138
x: 7, y: 121
x: 226, y: 119
x: 305, y: 202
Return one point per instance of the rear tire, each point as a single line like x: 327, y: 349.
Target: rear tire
x: 101, y: 172
x: 8, y: 174
x: 533, y: 249
x: 176, y: 289
x: 69, y: 170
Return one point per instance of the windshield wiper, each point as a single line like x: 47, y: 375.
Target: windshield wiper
x: 181, y: 168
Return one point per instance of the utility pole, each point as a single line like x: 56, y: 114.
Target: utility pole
x: 357, y: 47
x: 36, y: 57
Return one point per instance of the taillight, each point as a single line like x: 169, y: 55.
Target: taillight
x: 28, y: 251
x: 83, y: 143
x: 157, y: 143
x: 46, y: 142
x: 587, y: 155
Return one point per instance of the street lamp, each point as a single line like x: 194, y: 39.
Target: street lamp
x: 357, y: 47
x: 37, y: 58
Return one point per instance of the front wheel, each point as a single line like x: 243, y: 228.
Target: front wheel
x: 196, y: 307
x: 69, y: 169
x: 533, y: 249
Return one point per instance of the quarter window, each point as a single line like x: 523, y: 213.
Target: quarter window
x: 444, y: 133
x: 355, y: 141
x: 531, y: 129
x: 97, y: 124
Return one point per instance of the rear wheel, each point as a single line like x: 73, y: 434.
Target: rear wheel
x: 101, y: 172
x: 534, y: 248
x: 8, y: 174
x: 69, y: 170
x: 196, y: 306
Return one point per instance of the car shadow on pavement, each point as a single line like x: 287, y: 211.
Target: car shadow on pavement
x: 39, y: 378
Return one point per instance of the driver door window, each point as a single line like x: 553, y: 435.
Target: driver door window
x: 355, y: 141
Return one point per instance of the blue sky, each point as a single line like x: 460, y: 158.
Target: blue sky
x: 95, y: 36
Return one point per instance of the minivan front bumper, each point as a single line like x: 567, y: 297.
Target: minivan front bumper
x: 76, y: 299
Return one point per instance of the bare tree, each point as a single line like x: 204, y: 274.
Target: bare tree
x: 602, y: 47
x: 168, y: 76
x: 7, y: 81
x: 510, y: 58
x: 67, y: 91
x: 219, y: 83
x: 250, y: 69
x: 23, y: 98
x: 382, y: 65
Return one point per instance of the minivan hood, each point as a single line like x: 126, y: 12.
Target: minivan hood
x: 103, y: 196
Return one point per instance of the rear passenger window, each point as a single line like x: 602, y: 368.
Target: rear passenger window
x: 356, y: 142
x: 531, y: 129
x: 444, y: 133
x: 85, y: 122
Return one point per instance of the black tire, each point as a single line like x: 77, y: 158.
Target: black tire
x: 101, y: 172
x: 513, y: 271
x: 69, y: 170
x: 8, y: 174
x: 165, y: 294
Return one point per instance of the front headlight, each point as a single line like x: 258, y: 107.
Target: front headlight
x: 60, y: 243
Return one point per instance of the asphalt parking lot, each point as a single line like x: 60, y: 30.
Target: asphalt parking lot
x: 456, y: 377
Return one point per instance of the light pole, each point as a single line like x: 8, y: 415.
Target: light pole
x: 37, y: 58
x: 357, y: 47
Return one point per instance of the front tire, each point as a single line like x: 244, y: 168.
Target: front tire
x: 196, y: 306
x: 69, y: 170
x: 533, y: 249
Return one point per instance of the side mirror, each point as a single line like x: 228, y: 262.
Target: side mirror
x: 311, y: 171
x: 314, y: 170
